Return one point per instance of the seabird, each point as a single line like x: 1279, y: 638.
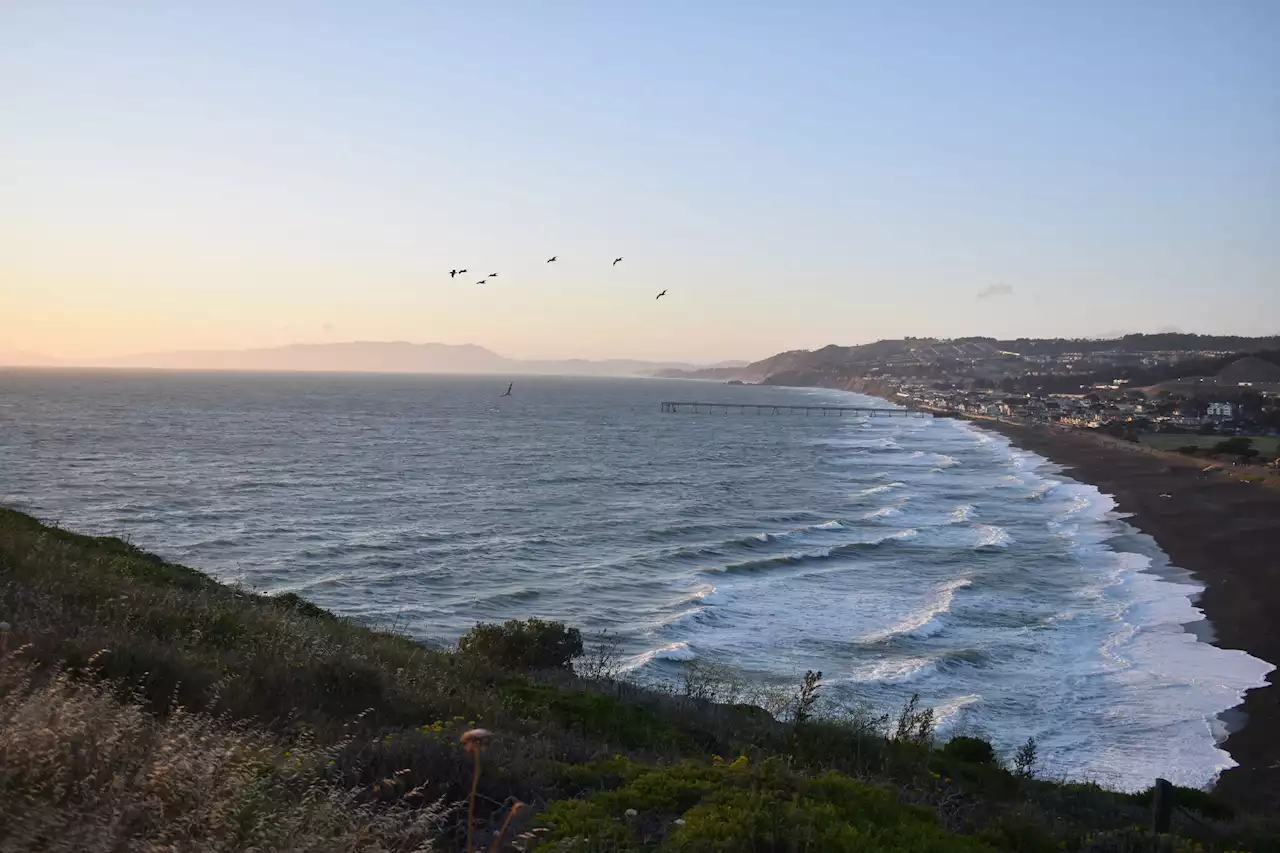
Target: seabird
x: 460, y: 272
x: 482, y: 281
x: 493, y: 275
x: 509, y: 387
x: 615, y: 261
x: 452, y: 273
x: 660, y: 295
x: 552, y: 258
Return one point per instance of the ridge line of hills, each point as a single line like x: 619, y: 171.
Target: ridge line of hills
x: 914, y: 354
x: 365, y: 356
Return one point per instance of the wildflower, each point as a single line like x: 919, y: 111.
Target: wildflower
x: 630, y: 813
x: 473, y: 739
x: 497, y: 841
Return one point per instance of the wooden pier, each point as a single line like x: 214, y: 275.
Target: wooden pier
x: 675, y: 407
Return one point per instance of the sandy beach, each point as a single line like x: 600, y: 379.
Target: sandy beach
x: 1227, y: 533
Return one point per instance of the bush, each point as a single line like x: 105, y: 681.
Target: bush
x: 517, y: 645
x: 1192, y: 799
x: 700, y: 808
x: 974, y: 750
x: 1237, y: 446
x: 1024, y: 760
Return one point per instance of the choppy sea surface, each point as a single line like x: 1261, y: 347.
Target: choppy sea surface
x: 897, y: 555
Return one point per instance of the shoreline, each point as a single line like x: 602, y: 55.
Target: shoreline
x: 1225, y: 534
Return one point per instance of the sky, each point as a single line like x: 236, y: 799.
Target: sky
x: 244, y: 174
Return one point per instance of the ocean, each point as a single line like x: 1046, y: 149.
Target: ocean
x: 896, y: 555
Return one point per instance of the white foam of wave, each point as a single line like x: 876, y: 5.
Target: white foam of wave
x: 864, y: 443
x: 962, y: 513
x: 947, y: 713
x: 896, y: 671
x: 885, y: 511
x: 679, y: 651
x: 709, y: 594
x: 992, y: 536
x: 799, y: 531
x: 1041, y: 489
x: 876, y: 490
x: 924, y: 622
x: 909, y: 533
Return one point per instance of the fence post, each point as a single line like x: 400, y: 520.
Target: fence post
x: 1161, y: 806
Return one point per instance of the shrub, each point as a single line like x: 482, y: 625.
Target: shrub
x: 1024, y: 760
x: 914, y: 725
x: 1192, y: 799
x: 602, y: 661
x: 710, y: 681
x: 699, y: 808
x: 593, y: 715
x: 1237, y: 446
x: 530, y: 645
x: 974, y: 750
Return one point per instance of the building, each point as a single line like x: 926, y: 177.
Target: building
x: 1221, y: 410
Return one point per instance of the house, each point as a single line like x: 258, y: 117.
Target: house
x: 1221, y: 410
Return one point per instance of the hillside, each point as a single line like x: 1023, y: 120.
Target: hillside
x: 143, y: 706
x: 930, y: 358
x: 1250, y: 369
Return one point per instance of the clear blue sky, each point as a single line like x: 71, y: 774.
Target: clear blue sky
x: 795, y: 174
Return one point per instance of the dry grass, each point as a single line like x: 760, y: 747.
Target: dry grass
x: 81, y: 770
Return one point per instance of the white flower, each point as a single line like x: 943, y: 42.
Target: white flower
x: 631, y: 813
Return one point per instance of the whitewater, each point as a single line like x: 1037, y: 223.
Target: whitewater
x: 896, y: 555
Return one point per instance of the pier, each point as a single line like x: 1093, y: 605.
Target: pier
x: 675, y: 407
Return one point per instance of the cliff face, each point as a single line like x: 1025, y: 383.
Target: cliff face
x: 838, y: 380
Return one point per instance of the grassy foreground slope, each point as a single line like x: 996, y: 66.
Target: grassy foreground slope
x: 144, y: 706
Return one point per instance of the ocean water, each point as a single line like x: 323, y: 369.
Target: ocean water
x: 897, y: 555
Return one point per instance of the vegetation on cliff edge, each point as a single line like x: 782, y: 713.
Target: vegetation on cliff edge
x: 145, y: 706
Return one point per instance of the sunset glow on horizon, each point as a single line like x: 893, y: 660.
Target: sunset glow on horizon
x: 237, y: 175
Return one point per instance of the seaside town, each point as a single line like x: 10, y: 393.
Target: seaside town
x: 1209, y: 396
x: 1234, y: 412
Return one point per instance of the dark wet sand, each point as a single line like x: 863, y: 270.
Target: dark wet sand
x: 1227, y: 533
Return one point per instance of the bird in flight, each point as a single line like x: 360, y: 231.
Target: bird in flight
x: 660, y: 295
x: 482, y: 281
x: 615, y: 261
x: 452, y: 273
x: 493, y: 275
x: 460, y: 272
x: 552, y: 258
x: 508, y: 391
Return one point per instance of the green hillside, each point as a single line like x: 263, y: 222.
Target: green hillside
x: 144, y: 706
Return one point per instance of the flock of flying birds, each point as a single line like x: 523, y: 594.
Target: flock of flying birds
x: 457, y: 272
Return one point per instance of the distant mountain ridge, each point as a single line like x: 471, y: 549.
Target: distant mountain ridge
x: 380, y: 357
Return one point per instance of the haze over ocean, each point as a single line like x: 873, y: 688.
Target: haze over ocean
x: 895, y: 554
